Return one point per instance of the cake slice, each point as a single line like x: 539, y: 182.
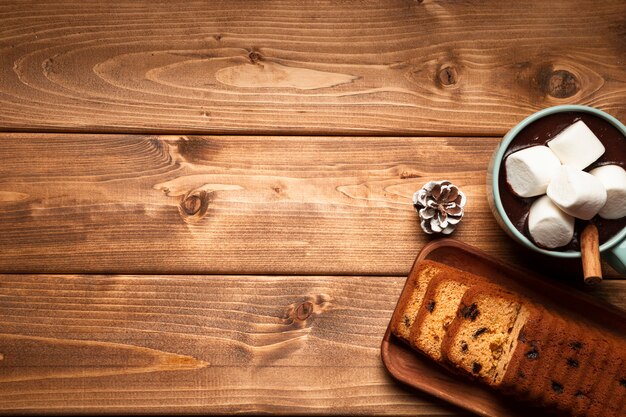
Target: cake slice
x: 483, y: 336
x: 438, y: 309
x: 412, y: 296
x: 524, y: 365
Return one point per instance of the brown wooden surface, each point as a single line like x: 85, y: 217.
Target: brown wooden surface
x: 265, y: 205
x: 395, y: 67
x: 361, y: 87
x: 204, y: 344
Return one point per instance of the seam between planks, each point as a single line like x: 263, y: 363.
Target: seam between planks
x: 277, y: 133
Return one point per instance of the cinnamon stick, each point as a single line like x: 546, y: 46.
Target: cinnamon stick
x: 590, y: 252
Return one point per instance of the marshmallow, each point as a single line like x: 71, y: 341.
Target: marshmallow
x: 613, y: 178
x: 529, y: 171
x: 577, y: 146
x: 548, y: 225
x: 578, y: 193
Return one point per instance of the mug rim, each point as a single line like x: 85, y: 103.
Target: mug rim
x: 511, y: 134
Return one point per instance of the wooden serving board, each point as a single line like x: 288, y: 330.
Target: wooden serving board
x: 417, y: 371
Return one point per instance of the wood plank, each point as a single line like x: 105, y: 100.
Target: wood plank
x: 240, y: 205
x: 204, y: 344
x: 325, y: 67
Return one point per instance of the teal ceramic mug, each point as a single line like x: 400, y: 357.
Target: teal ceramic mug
x: 613, y: 251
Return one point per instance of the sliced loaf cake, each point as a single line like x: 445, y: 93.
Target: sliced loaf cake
x: 513, y: 344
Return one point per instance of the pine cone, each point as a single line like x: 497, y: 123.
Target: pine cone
x: 440, y: 206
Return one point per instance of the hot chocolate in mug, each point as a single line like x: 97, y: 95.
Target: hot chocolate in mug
x: 613, y: 250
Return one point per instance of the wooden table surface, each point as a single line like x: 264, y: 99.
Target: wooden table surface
x: 205, y: 207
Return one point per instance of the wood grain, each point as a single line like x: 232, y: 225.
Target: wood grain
x: 242, y: 205
x: 325, y: 67
x: 198, y: 344
x: 74, y: 203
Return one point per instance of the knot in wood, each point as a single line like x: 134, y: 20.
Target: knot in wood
x: 300, y: 314
x: 194, y: 205
x: 562, y: 84
x: 304, y: 311
x: 448, y: 76
x: 254, y: 57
